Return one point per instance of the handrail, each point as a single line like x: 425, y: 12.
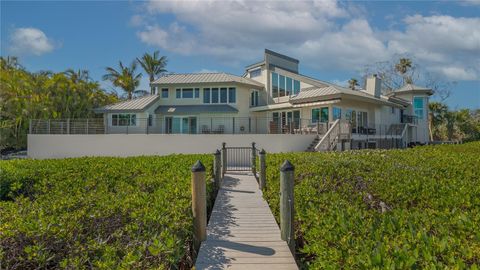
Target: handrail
x: 404, y: 131
x: 327, y: 135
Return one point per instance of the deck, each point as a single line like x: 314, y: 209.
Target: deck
x: 242, y: 232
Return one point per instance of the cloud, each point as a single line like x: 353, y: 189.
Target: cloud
x: 205, y: 70
x: 30, y: 40
x: 447, y: 44
x: 326, y: 35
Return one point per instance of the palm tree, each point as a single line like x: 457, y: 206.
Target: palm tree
x: 402, y: 67
x: 124, y: 78
x: 352, y: 83
x: 153, y: 66
x: 79, y: 75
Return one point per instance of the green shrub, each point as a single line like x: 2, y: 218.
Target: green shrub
x: 101, y: 213
x: 395, y: 209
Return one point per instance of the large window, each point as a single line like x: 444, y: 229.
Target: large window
x: 419, y: 107
x: 232, y: 95
x: 296, y: 87
x: 320, y: 115
x: 337, y: 113
x: 281, y: 86
x: 178, y: 93
x: 289, y: 86
x: 223, y: 95
x: 214, y: 95
x: 254, y: 98
x: 124, y: 119
x: 164, y: 92
x: 284, y: 86
x: 255, y: 73
x: 187, y: 93
x: 197, y: 92
x: 206, y: 95
x: 274, y: 84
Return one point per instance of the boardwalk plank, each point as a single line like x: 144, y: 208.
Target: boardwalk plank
x: 242, y: 232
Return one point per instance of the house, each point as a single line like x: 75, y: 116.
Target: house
x: 273, y: 97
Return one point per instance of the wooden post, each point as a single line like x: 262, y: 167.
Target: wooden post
x: 254, y: 160
x: 286, y: 204
x: 217, y: 170
x: 86, y: 127
x: 30, y: 127
x: 263, y: 172
x: 68, y: 125
x: 224, y: 159
x: 199, y: 204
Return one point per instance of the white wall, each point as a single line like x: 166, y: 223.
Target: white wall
x: 62, y: 146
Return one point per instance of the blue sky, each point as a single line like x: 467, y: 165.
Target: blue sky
x: 333, y: 40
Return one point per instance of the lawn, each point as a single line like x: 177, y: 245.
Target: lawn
x: 102, y: 213
x: 396, y: 209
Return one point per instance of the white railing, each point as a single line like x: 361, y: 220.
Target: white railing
x: 327, y: 141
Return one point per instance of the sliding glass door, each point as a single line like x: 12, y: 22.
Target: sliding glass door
x: 181, y: 125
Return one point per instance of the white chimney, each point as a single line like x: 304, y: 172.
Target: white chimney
x: 373, y: 86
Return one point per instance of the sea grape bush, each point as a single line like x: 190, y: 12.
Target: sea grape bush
x: 385, y: 209
x: 103, y: 213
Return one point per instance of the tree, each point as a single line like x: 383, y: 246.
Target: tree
x: 124, y: 78
x: 402, y: 67
x: 153, y: 66
x: 352, y: 83
x: 43, y: 95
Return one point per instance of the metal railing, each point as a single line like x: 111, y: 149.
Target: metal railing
x: 409, y: 119
x: 179, y: 125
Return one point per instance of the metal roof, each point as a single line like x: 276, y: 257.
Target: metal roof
x: 133, y: 105
x: 334, y: 91
x: 411, y: 87
x: 194, y: 109
x: 192, y: 78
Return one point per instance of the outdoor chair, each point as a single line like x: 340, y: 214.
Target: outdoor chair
x: 205, y: 129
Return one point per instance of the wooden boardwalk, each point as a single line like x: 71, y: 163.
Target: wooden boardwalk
x: 242, y: 232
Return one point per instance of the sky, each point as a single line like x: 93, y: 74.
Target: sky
x: 334, y: 40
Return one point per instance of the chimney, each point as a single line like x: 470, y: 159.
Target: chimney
x: 373, y: 86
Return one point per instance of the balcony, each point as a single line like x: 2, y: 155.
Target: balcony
x: 409, y: 119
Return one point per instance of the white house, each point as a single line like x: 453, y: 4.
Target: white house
x: 270, y: 98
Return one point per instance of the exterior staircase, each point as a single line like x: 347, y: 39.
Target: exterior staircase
x: 311, y: 147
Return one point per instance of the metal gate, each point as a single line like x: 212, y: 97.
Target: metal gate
x: 238, y: 158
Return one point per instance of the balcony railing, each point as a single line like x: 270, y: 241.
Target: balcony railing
x: 409, y: 119
x: 179, y: 125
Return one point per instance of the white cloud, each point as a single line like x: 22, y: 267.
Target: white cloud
x: 447, y: 44
x: 322, y: 34
x: 30, y: 41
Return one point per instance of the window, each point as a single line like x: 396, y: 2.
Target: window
x: 197, y: 92
x: 232, y: 95
x: 324, y: 115
x: 179, y: 93
x: 206, y: 95
x: 281, y: 85
x: 289, y: 86
x: 418, y: 107
x: 150, y: 120
x: 337, y: 113
x: 187, y: 93
x: 223, y: 95
x: 164, y: 92
x: 274, y: 84
x: 254, y: 98
x: 315, y: 115
x: 296, y: 87
x: 124, y: 119
x: 255, y: 73
x: 214, y: 95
